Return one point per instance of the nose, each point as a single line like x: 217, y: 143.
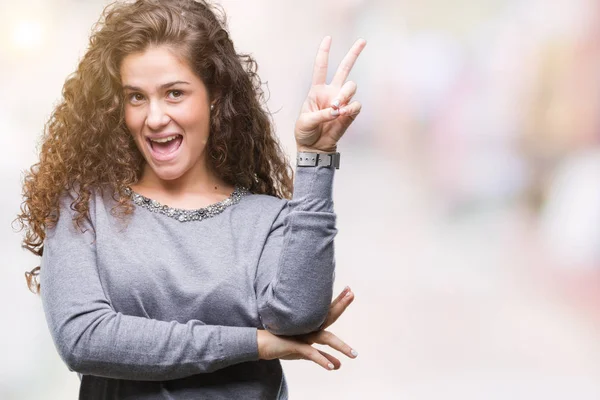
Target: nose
x: 157, y: 118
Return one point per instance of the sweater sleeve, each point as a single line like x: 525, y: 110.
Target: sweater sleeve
x: 93, y: 339
x: 295, y: 273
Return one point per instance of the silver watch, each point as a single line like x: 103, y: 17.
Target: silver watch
x: 306, y: 159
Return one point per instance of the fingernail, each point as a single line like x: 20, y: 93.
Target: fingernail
x: 354, y: 353
x: 330, y: 365
x: 343, y: 110
x: 348, y: 293
x: 336, y: 103
x: 335, y: 113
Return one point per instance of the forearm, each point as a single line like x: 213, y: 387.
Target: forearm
x: 297, y: 299
x: 92, y: 338
x: 109, y: 344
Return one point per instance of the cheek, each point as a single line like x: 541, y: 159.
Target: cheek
x: 191, y: 118
x: 132, y: 120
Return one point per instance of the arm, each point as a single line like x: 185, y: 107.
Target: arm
x: 93, y: 339
x: 295, y: 272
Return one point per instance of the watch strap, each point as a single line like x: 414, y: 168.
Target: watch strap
x: 309, y: 159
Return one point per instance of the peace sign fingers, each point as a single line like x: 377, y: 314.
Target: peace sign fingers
x: 328, y: 109
x: 347, y: 63
x: 322, y: 61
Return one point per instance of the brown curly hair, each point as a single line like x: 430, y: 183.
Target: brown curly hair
x: 86, y: 144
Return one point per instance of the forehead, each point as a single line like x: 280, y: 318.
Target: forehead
x: 155, y: 66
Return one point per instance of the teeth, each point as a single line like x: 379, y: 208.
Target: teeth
x: 164, y: 140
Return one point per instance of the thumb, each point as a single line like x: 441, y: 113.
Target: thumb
x: 311, y: 120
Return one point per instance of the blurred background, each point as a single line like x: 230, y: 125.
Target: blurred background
x: 468, y: 198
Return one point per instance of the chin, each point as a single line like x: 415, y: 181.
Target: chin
x: 168, y: 173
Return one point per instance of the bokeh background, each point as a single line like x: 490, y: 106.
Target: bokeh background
x: 468, y: 197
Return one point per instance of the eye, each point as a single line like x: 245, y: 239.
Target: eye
x: 175, y: 94
x: 135, y: 98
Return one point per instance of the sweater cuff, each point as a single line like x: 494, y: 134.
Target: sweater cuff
x: 313, y: 189
x: 239, y: 343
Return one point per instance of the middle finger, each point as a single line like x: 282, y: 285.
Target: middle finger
x: 321, y: 61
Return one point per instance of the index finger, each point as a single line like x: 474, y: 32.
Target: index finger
x: 338, y: 309
x: 320, y: 69
x: 340, y: 296
x: 348, y: 62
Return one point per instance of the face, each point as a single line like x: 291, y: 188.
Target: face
x: 167, y: 111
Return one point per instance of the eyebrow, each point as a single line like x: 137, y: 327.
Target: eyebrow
x: 163, y: 86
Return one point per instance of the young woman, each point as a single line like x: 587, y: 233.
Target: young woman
x: 178, y: 262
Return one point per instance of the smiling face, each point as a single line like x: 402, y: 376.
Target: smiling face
x: 167, y: 110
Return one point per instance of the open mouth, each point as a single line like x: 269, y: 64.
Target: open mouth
x: 163, y: 148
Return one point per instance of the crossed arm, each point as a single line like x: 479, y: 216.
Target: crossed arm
x: 92, y: 338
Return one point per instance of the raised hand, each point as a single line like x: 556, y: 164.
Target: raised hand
x: 300, y: 347
x: 328, y: 109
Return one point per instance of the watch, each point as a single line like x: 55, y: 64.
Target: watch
x: 306, y: 159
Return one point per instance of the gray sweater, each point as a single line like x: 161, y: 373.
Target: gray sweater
x: 154, y: 308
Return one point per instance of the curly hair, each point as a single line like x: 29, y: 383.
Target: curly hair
x: 86, y: 144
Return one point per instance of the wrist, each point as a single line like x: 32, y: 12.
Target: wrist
x: 260, y: 341
x: 315, y: 159
x: 307, y: 149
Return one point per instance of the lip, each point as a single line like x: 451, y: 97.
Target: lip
x: 163, y: 157
x: 162, y: 135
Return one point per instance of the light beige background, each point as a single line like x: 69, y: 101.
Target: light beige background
x: 468, y: 197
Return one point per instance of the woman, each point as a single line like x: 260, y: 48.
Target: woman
x: 200, y: 298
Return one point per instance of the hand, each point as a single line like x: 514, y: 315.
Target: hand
x: 327, y: 111
x: 300, y: 347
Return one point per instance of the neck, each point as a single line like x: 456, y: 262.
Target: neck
x: 197, y: 180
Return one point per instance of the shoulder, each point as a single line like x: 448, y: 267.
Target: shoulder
x: 262, y: 203
x: 75, y: 198
x: 82, y: 205
x: 72, y: 216
x: 261, y: 207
